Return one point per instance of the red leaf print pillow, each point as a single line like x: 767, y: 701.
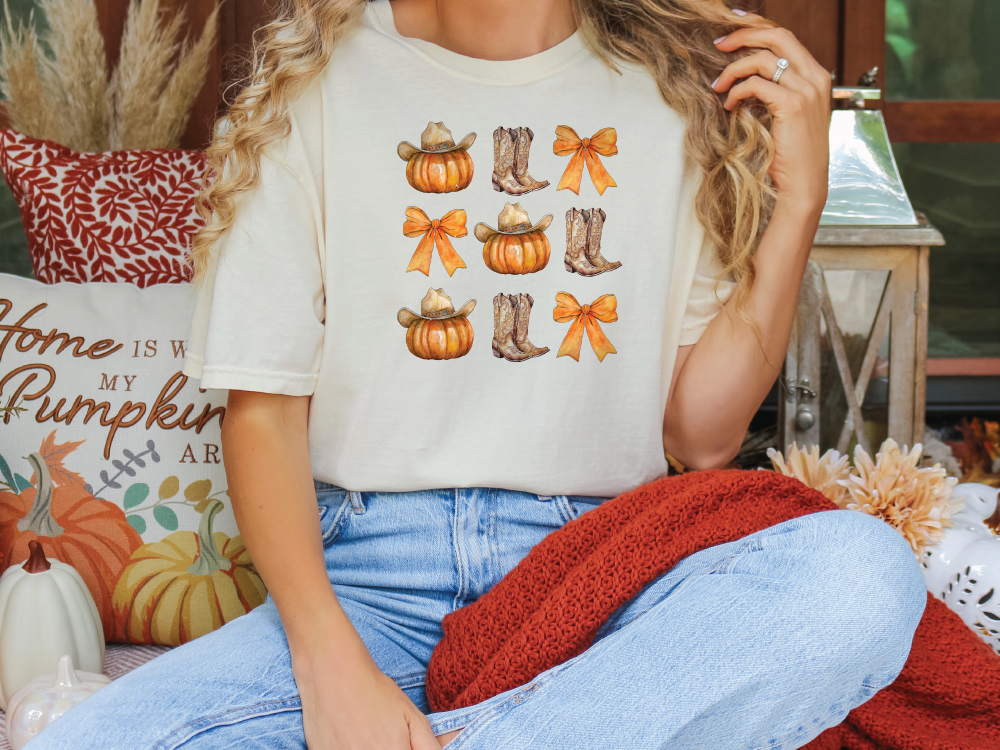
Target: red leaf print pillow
x: 116, y: 216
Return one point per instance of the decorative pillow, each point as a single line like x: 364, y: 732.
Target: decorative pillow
x: 117, y: 216
x: 112, y: 458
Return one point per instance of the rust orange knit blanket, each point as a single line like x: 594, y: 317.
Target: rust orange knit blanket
x: 549, y: 608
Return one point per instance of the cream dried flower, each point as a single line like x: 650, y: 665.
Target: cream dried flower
x: 825, y: 474
x: 916, y: 501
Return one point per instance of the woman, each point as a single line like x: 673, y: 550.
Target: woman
x: 703, y: 131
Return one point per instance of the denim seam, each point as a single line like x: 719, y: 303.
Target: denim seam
x: 339, y: 521
x: 481, y: 717
x: 405, y: 680
x: 226, y: 718
x: 462, y: 583
x: 835, y: 709
x: 491, y: 535
x: 564, y: 508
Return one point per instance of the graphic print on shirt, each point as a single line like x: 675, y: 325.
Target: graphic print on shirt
x: 589, y: 317
x: 583, y: 242
x: 602, y: 143
x: 511, y: 147
x: 516, y: 247
x: 439, y: 165
x: 434, y: 234
x: 438, y: 332
x: 510, y: 328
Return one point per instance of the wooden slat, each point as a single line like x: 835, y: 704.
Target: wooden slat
x: 860, y: 258
x: 814, y: 22
x: 923, y: 310
x: 902, y: 354
x: 878, y: 236
x: 967, y: 367
x: 943, y: 121
x: 863, y: 42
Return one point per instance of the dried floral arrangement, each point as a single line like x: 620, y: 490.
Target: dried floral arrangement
x: 57, y: 84
x: 915, y: 500
x: 978, y: 452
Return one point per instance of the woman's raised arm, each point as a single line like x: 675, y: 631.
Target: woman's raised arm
x: 720, y: 382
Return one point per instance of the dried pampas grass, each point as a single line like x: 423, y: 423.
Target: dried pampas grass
x: 64, y: 95
x: 825, y: 474
x: 916, y: 501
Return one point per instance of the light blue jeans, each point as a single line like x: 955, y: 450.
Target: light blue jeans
x: 760, y: 643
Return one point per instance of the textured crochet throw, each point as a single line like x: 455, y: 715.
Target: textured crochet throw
x: 549, y: 608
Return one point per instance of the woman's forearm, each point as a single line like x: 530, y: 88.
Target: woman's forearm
x: 270, y: 482
x: 720, y: 382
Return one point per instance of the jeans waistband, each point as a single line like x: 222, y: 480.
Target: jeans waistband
x: 358, y: 503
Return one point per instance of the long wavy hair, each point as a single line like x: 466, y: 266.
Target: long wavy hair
x: 672, y: 39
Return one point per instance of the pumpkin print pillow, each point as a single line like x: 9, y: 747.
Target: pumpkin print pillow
x: 111, y: 458
x: 116, y: 216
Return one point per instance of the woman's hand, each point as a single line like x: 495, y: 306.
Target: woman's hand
x: 348, y: 703
x: 799, y: 103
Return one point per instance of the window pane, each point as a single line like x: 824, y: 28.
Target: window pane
x: 958, y: 186
x: 942, y: 49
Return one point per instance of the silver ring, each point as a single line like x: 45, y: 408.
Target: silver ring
x: 782, y: 67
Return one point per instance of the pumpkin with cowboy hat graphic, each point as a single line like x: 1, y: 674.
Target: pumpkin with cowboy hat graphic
x: 439, y: 165
x: 438, y: 332
x: 516, y: 247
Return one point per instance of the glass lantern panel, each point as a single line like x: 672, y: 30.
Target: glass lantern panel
x: 856, y: 297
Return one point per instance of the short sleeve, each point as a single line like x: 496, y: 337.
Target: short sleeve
x: 710, y: 291
x: 259, y: 313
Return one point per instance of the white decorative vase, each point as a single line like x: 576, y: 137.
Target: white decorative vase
x: 963, y: 569
x: 46, y: 612
x: 46, y: 698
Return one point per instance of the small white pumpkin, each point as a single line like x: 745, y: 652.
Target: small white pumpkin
x: 46, y: 612
x: 963, y: 569
x: 46, y: 698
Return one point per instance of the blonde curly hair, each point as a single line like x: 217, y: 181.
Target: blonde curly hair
x: 672, y: 39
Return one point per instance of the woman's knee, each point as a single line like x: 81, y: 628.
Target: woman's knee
x: 873, y: 579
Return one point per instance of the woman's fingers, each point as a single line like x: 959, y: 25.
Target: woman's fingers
x: 781, y: 101
x: 763, y: 64
x: 782, y: 43
x: 421, y: 736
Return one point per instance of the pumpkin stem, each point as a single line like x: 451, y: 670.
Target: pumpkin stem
x: 66, y: 673
x: 209, y: 558
x: 39, y: 518
x: 36, y: 559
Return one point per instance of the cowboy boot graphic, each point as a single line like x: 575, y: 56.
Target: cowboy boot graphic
x: 594, y: 232
x: 583, y: 243
x: 524, y: 136
x: 577, y: 225
x: 522, y: 304
x: 503, y: 337
x: 503, y: 164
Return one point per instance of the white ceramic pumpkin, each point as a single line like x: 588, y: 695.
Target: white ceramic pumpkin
x: 46, y: 612
x: 963, y: 569
x: 46, y: 698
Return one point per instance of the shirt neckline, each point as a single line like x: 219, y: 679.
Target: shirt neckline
x: 521, y: 72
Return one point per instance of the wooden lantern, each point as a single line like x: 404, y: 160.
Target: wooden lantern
x: 902, y: 253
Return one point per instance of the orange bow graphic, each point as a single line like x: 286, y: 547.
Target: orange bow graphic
x: 603, y: 142
x: 603, y: 309
x: 435, y: 234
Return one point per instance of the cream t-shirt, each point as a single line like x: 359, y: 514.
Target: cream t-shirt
x: 305, y: 293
